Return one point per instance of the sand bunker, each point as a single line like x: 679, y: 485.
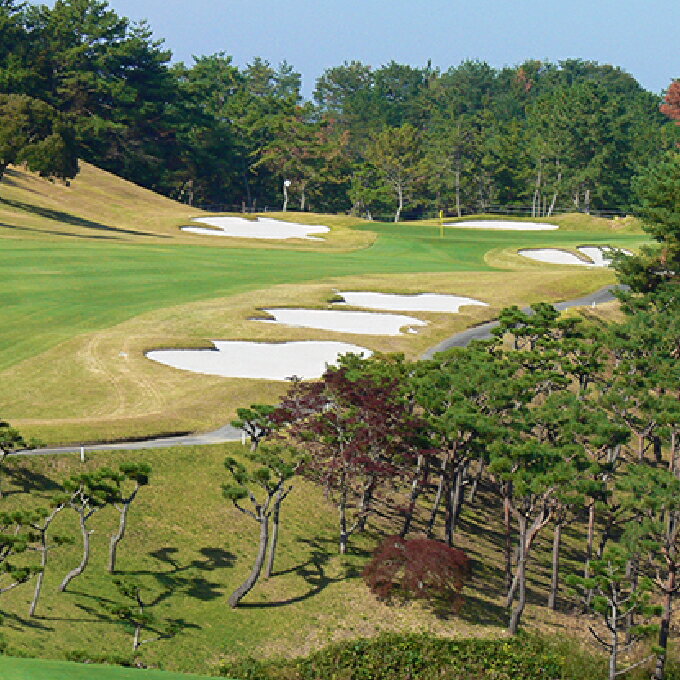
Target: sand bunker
x: 364, y: 323
x: 503, y: 224
x: 600, y: 256
x: 268, y: 361
x: 421, y: 302
x: 262, y: 227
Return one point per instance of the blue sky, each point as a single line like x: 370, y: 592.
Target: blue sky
x: 641, y: 36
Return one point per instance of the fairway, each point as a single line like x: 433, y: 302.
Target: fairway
x: 51, y: 292
x: 77, y: 315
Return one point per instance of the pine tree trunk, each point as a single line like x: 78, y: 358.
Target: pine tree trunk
x: 41, y: 575
x: 554, y: 583
x: 415, y: 492
x: 344, y: 537
x: 118, y: 537
x: 437, y: 499
x: 248, y: 584
x: 458, y: 213
x: 665, y: 626
x: 276, y: 514
x: 589, y: 551
x: 614, y: 646
x: 518, y: 610
x: 400, y: 195
x: 458, y: 497
x: 86, y: 555
x: 508, y: 536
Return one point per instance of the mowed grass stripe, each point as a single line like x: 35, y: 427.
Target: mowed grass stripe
x: 52, y: 292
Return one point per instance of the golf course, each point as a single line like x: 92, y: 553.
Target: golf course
x: 83, y: 301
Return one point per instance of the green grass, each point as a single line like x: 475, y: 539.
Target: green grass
x: 51, y: 292
x: 190, y: 548
x: 38, y: 669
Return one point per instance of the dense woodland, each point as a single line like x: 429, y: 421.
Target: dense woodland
x: 375, y: 141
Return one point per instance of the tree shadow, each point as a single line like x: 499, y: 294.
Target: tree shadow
x: 479, y: 611
x: 19, y: 622
x: 28, y: 480
x: 68, y: 218
x: 312, y: 571
x: 177, y: 580
x: 58, y: 233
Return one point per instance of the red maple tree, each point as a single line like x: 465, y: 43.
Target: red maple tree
x: 418, y: 568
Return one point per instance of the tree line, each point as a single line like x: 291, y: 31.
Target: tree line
x: 565, y: 136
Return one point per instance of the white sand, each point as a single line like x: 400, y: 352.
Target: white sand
x: 267, y: 361
x: 262, y: 227
x: 422, y: 302
x: 598, y: 255
x: 503, y: 224
x: 365, y: 323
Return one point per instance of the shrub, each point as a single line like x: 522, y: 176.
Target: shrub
x: 418, y: 568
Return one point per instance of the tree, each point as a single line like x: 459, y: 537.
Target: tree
x: 354, y: 432
x: 418, y: 568
x: 256, y: 422
x: 269, y: 477
x: 15, y: 538
x: 618, y: 597
x: 40, y: 522
x: 10, y: 441
x: 35, y: 134
x: 90, y: 492
x: 134, y: 611
x: 396, y: 155
x: 658, y: 195
x: 138, y: 474
x: 671, y: 105
x: 654, y: 495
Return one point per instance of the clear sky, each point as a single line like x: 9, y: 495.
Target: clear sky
x: 640, y: 36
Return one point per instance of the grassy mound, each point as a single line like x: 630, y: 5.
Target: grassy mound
x: 38, y: 669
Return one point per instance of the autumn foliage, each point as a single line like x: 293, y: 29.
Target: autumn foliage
x: 419, y: 568
x: 671, y: 105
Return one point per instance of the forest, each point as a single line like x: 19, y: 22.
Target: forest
x: 394, y: 140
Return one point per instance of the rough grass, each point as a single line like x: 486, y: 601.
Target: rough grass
x: 101, y: 386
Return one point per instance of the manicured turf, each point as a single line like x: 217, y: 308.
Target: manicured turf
x: 38, y: 669
x: 52, y: 291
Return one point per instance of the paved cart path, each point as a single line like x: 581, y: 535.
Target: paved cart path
x: 227, y: 433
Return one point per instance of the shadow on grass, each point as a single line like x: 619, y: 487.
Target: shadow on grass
x: 28, y: 480
x: 312, y: 571
x: 19, y: 622
x: 475, y: 610
x: 68, y: 218
x: 58, y: 233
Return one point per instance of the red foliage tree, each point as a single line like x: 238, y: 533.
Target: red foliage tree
x: 671, y: 105
x: 355, y: 433
x: 419, y: 568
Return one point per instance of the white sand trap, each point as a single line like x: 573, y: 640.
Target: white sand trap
x: 597, y: 254
x: 267, y: 361
x: 503, y: 224
x: 365, y: 323
x: 262, y: 227
x: 421, y: 302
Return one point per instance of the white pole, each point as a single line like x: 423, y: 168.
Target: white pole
x: 243, y: 437
x: 82, y: 454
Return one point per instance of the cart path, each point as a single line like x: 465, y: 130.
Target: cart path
x: 227, y: 433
